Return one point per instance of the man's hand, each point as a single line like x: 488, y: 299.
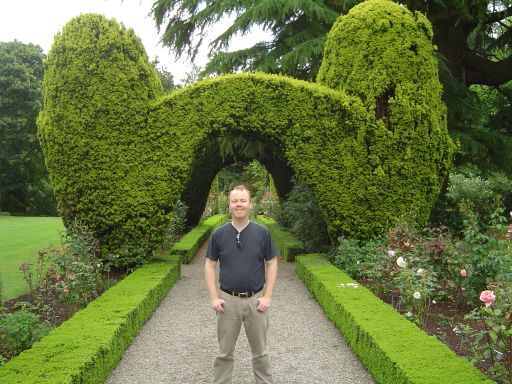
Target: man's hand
x: 264, y: 303
x: 218, y: 305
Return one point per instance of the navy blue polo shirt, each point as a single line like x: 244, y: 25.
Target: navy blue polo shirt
x: 242, y: 266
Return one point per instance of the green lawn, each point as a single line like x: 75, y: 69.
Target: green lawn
x: 20, y: 239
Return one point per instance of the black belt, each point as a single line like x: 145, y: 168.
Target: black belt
x: 243, y: 295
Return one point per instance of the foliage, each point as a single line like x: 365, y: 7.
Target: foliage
x: 494, y: 341
x: 299, y: 29
x: 370, y: 172
x: 300, y: 213
x: 87, y: 347
x: 393, y: 349
x: 71, y: 271
x: 469, y: 34
x: 97, y: 87
x: 484, y: 254
x: 479, y: 120
x: 77, y: 271
x: 166, y: 77
x: 484, y: 193
x: 421, y: 267
x: 19, y: 330
x: 35, y: 276
x: 24, y: 188
x: 177, y: 224
x: 357, y: 257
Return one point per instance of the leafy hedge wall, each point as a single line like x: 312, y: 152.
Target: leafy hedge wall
x: 120, y: 155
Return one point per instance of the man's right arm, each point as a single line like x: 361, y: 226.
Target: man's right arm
x: 210, y: 273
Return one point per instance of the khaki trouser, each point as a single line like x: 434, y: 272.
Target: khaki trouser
x: 237, y: 311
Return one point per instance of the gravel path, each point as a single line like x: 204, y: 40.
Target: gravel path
x: 178, y: 344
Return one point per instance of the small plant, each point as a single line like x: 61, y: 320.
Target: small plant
x: 416, y: 287
x: 494, y: 341
x: 78, y: 271
x: 484, y: 255
x: 19, y: 330
x: 359, y: 258
x: 35, y: 275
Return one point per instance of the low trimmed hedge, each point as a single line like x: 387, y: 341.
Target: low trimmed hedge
x: 392, y: 348
x: 187, y: 247
x: 286, y: 243
x: 85, y: 348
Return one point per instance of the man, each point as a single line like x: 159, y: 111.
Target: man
x: 242, y: 248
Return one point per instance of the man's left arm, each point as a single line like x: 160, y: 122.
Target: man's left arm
x: 265, y: 300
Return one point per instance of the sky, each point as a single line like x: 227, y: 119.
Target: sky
x: 37, y: 22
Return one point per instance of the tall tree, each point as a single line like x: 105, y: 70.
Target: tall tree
x: 23, y: 181
x: 473, y: 36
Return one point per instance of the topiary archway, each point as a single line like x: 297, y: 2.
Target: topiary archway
x: 371, y: 143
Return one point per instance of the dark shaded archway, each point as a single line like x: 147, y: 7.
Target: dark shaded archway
x: 210, y: 160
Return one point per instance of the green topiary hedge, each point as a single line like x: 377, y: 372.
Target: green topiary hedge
x: 85, y: 348
x: 383, y: 54
x: 97, y: 87
x: 391, y: 347
x: 120, y: 155
x: 187, y: 247
x: 286, y: 242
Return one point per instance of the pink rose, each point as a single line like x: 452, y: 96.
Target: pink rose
x: 406, y: 245
x: 463, y: 273
x: 487, y: 297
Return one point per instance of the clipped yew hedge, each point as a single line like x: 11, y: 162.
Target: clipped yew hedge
x: 286, y: 243
x: 188, y: 245
x: 383, y: 54
x: 120, y: 155
x: 85, y: 348
x: 393, y: 349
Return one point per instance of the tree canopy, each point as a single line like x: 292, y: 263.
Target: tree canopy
x: 24, y: 187
x: 473, y: 36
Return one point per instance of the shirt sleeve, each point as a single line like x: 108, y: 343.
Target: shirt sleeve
x: 212, y: 251
x: 271, y: 247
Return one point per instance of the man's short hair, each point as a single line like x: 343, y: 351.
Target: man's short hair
x: 240, y: 187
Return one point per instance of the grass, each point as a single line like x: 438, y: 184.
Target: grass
x: 20, y: 239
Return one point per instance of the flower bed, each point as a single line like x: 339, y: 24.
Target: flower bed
x: 392, y: 348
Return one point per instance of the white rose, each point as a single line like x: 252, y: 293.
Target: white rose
x: 401, y: 262
x: 417, y: 295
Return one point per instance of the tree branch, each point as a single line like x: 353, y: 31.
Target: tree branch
x: 497, y: 16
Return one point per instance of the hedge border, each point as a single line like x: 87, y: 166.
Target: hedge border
x: 187, y: 247
x: 85, y: 348
x: 286, y: 243
x: 391, y: 347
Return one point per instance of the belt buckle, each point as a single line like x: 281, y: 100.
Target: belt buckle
x: 244, y: 294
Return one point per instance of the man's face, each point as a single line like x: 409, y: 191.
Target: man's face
x: 239, y: 204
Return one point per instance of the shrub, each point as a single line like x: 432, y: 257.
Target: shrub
x: 494, y: 340
x: 358, y: 258
x: 176, y: 225
x: 300, y: 213
x: 78, y: 272
x: 485, y: 255
x: 19, y: 330
x: 484, y: 194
